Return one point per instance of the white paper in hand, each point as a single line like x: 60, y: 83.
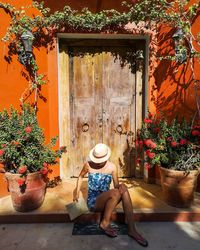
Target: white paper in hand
x: 77, y: 208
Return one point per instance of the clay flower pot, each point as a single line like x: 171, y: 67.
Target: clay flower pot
x: 178, y: 186
x: 33, y: 195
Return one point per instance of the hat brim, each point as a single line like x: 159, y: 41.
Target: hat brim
x: 99, y: 160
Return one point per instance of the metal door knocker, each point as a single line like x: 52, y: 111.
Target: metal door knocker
x: 85, y: 127
x: 119, y: 129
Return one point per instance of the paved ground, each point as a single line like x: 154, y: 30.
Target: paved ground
x: 161, y: 236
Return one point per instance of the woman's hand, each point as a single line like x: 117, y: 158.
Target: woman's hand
x: 122, y: 188
x: 75, y: 195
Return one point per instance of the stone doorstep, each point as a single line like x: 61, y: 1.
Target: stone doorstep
x: 139, y: 216
x: 146, y: 198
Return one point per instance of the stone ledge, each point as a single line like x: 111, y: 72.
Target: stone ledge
x: 63, y: 217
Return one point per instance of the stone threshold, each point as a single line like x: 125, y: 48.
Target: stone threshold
x: 148, y: 205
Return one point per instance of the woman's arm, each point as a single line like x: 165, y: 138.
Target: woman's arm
x: 121, y: 187
x: 115, y: 177
x: 79, y: 182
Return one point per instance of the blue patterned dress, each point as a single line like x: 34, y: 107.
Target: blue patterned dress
x: 97, y: 183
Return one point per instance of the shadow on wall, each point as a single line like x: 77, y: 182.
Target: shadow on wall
x: 174, y: 83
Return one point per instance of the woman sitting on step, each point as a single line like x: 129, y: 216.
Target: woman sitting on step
x: 102, y: 199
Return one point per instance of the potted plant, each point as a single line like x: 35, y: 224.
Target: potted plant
x: 25, y: 157
x: 174, y: 147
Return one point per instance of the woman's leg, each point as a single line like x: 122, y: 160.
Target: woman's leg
x: 106, y: 202
x: 128, y: 210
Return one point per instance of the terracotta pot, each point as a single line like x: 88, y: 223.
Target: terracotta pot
x: 33, y: 196
x: 178, y: 186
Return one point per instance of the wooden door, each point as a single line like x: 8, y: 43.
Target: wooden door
x: 105, y: 104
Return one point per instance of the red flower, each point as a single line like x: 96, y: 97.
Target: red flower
x: 146, y: 120
x: 44, y: 170
x: 22, y: 169
x: 150, y: 115
x: 195, y: 132
x: 3, y: 145
x: 183, y: 142
x: 147, y: 165
x: 147, y: 152
x: 21, y: 181
x: 1, y: 152
x: 28, y: 129
x: 141, y: 143
x: 151, y: 155
x: 136, y: 143
x: 173, y: 144
x: 16, y: 143
x: 196, y: 127
x: 45, y: 164
x: 149, y: 143
x: 169, y: 138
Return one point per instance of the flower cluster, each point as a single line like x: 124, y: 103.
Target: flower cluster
x: 22, y: 144
x: 174, y: 144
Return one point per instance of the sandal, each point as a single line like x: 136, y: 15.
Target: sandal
x: 140, y: 240
x: 109, y: 231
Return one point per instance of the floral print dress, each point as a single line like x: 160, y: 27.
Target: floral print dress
x: 97, y: 183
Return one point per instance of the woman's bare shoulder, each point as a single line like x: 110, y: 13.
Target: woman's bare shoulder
x: 112, y: 166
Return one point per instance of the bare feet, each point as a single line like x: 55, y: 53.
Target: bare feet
x: 108, y: 230
x: 137, y: 237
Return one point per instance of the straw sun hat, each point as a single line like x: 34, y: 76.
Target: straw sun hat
x: 100, y: 153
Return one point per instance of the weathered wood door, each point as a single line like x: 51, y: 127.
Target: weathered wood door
x: 105, y: 101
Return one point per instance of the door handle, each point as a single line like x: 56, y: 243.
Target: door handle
x: 85, y: 127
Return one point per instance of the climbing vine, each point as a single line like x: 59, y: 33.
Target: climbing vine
x: 45, y: 24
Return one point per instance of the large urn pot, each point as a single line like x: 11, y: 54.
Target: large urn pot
x: 178, y: 187
x: 33, y: 195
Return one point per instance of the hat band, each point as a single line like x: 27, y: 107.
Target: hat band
x: 100, y: 156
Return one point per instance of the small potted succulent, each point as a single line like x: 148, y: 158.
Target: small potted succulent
x: 175, y: 148
x: 25, y: 157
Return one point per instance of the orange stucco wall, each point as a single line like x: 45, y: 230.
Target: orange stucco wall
x: 165, y: 86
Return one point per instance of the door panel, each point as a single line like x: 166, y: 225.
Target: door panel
x: 106, y: 89
x: 85, y: 104
x: 119, y: 94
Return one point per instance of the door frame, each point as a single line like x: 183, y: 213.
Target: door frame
x: 64, y: 90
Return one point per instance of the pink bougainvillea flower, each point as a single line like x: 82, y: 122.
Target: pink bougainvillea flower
x: 147, y: 165
x: 44, y: 170
x: 195, y: 132
x: 173, y: 144
x: 183, y: 142
x: 1, y: 152
x: 21, y: 181
x: 146, y: 120
x: 28, y: 129
x: 22, y: 169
